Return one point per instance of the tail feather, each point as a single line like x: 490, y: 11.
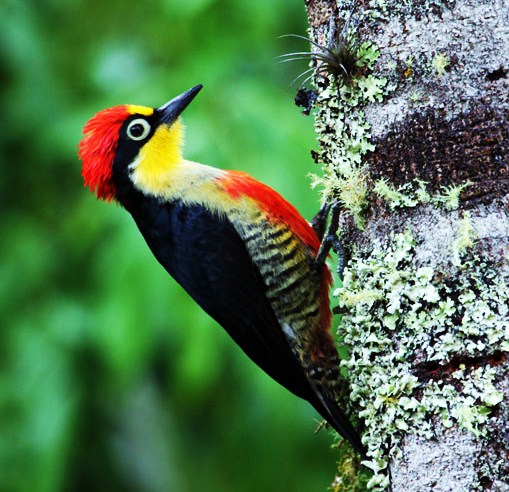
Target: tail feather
x: 330, y: 411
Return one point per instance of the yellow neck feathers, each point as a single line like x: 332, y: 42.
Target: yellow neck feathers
x: 160, y: 170
x: 153, y: 168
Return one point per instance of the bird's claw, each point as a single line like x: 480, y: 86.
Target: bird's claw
x: 330, y: 238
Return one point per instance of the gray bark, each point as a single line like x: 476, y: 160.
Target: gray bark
x: 441, y: 127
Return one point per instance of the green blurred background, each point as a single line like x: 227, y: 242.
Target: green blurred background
x: 111, y: 378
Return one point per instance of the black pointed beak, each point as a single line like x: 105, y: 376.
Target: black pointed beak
x: 172, y: 109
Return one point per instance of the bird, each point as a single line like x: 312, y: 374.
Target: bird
x: 241, y: 251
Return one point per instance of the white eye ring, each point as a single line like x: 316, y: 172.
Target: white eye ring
x: 138, y: 129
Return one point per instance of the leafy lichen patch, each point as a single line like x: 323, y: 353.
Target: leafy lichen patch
x: 421, y: 314
x: 465, y: 238
x: 440, y: 63
x: 344, y: 134
x: 395, y: 317
x: 415, y: 193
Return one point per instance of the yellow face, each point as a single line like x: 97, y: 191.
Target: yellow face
x: 157, y: 159
x: 158, y: 169
x: 129, y: 145
x: 151, y: 156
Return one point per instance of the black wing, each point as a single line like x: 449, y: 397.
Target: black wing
x: 208, y: 258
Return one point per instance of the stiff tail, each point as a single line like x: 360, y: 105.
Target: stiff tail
x: 330, y: 411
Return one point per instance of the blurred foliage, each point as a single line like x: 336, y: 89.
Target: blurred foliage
x: 111, y: 378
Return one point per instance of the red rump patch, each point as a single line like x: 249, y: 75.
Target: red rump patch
x: 97, y: 150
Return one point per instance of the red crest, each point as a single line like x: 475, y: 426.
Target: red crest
x: 98, y: 147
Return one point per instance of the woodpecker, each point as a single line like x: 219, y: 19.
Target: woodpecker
x: 242, y: 252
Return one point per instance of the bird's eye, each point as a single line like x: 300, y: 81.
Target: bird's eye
x: 138, y: 129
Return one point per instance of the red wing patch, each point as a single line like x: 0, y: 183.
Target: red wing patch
x: 239, y: 184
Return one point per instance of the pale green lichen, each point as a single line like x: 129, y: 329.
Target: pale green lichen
x: 415, y: 193
x: 465, y: 238
x: 416, y: 96
x: 350, y: 188
x: 396, y: 317
x: 450, y: 195
x: 393, y: 313
x: 440, y: 62
x: 344, y: 134
x: 367, y: 55
x: 408, y: 195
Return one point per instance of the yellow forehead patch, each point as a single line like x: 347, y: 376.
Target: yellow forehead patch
x: 134, y: 109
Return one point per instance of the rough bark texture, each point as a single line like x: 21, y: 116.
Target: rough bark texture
x: 442, y: 122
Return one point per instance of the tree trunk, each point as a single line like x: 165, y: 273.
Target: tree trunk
x: 413, y: 142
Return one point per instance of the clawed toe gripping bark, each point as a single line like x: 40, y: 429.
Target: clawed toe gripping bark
x: 328, y: 236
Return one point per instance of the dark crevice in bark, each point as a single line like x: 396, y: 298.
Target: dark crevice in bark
x: 500, y: 73
x: 471, y: 147
x: 434, y: 371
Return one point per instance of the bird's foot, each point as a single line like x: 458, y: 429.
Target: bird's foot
x: 329, y: 238
x: 319, y: 222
